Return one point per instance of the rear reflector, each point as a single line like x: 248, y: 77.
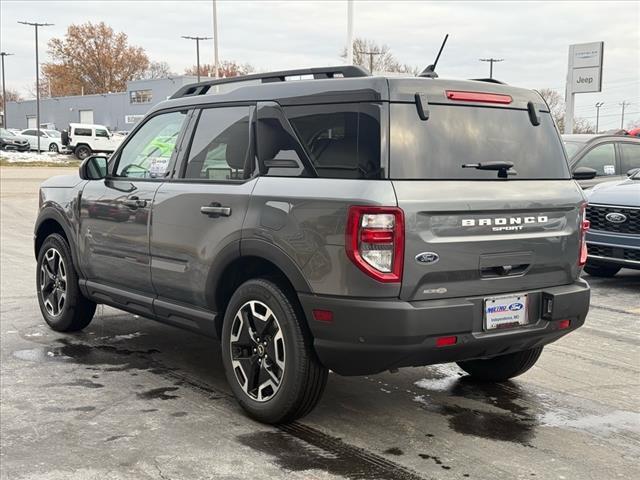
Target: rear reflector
x: 564, y: 324
x: 323, y: 315
x: 478, y: 97
x: 446, y: 341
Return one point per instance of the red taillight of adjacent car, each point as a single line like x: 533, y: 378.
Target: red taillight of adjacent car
x: 584, y: 226
x: 375, y: 241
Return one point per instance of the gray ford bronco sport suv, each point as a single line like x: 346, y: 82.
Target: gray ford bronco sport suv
x: 340, y: 221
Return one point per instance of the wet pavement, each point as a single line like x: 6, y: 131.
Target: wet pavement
x: 132, y: 399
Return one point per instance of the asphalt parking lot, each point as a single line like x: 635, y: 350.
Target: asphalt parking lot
x: 132, y: 399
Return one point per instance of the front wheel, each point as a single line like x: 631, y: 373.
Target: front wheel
x: 54, y: 148
x: 268, y: 356
x: 62, y: 304
x: 503, y: 367
x: 601, y: 270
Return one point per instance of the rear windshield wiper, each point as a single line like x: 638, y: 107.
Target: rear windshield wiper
x: 501, y: 167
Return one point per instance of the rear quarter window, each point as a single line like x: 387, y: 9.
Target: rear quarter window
x: 454, y: 135
x: 82, y: 132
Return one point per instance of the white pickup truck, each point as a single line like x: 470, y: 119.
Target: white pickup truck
x: 85, y: 139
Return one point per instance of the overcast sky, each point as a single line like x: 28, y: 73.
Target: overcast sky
x: 532, y: 37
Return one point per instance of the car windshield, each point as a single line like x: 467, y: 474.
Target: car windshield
x: 53, y: 133
x: 636, y: 176
x: 572, y: 148
x: 6, y: 133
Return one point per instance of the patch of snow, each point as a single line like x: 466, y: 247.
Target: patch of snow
x: 13, y: 156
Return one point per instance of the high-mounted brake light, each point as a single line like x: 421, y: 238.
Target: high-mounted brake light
x: 375, y: 241
x: 584, y: 226
x: 478, y: 97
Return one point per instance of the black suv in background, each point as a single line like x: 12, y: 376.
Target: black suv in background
x: 340, y: 221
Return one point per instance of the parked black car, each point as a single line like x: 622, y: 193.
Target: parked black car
x: 613, y: 241
x: 611, y: 156
x: 11, y: 141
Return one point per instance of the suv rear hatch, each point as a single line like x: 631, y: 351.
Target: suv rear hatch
x: 467, y: 231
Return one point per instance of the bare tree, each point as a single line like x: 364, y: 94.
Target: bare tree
x: 377, y: 58
x: 157, y: 70
x: 12, y: 96
x: 557, y: 109
x: 226, y: 68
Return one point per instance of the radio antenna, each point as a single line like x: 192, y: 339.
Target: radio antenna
x: 430, y: 71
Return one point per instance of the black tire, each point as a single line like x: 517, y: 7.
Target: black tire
x: 82, y: 152
x: 74, y: 311
x: 605, y: 271
x: 502, y: 368
x: 302, y: 379
x: 54, y: 148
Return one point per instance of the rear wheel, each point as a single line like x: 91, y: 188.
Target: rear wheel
x: 601, y: 270
x: 82, y: 152
x: 62, y: 304
x: 268, y: 356
x: 503, y: 367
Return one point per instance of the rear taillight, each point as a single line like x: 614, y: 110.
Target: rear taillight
x: 375, y: 241
x: 584, y: 226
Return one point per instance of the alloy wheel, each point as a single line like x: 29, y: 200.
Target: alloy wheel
x: 53, y: 282
x: 257, y: 351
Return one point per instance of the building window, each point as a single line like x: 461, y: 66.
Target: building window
x: 140, y: 96
x: 132, y: 119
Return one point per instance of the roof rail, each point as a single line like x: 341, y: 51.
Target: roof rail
x: 488, y: 80
x: 341, y: 71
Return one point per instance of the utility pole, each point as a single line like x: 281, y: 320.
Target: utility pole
x: 491, y: 62
x: 216, y: 64
x: 371, y: 54
x: 197, y: 39
x: 349, y: 32
x: 623, y: 105
x: 36, y: 25
x: 4, y: 92
x: 598, y: 105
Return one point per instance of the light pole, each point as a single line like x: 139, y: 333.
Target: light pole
x: 491, y: 62
x: 4, y: 92
x: 216, y: 64
x: 349, y: 32
x: 197, y: 39
x: 598, y: 105
x: 36, y: 25
x: 623, y: 105
x: 371, y: 54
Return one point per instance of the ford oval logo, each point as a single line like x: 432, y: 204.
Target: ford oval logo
x: 427, y: 257
x: 514, y: 307
x: 615, y: 217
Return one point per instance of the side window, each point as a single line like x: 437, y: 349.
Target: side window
x: 148, y: 151
x: 220, y: 144
x: 31, y: 133
x: 630, y: 153
x: 342, y: 140
x: 279, y: 150
x: 602, y: 159
x: 82, y: 132
x: 102, y: 133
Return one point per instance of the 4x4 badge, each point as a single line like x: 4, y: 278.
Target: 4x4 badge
x: 427, y: 257
x: 615, y: 217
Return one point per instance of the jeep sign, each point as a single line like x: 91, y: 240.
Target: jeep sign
x: 586, y: 80
x: 584, y: 75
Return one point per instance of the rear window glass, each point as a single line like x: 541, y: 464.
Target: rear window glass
x: 455, y: 135
x: 82, y: 132
x: 343, y: 141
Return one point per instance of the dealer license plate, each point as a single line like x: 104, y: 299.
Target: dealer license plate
x: 505, y: 312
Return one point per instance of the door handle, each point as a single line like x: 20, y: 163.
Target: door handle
x: 215, y: 210
x: 134, y: 202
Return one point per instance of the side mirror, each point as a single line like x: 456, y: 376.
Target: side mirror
x: 584, y: 173
x: 632, y: 172
x: 93, y: 168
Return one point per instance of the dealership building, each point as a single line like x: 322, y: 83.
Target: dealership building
x: 118, y: 111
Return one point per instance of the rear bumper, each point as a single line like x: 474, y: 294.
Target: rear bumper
x: 369, y: 336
